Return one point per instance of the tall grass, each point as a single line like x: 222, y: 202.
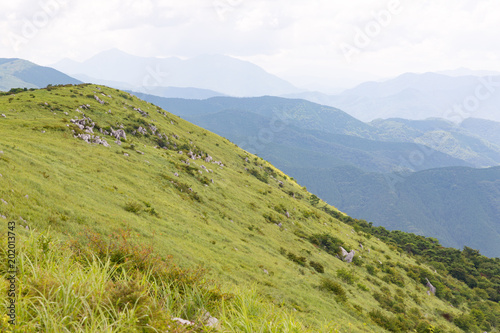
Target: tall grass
x: 116, y: 286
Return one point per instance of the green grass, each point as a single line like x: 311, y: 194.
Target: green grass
x: 227, y: 228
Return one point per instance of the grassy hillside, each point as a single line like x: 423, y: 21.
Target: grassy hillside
x: 220, y: 212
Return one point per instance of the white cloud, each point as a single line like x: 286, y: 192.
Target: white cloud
x: 293, y: 38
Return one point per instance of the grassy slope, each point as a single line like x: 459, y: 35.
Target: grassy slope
x: 51, y: 179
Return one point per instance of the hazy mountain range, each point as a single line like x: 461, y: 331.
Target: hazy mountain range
x: 418, y: 96
x: 221, y: 74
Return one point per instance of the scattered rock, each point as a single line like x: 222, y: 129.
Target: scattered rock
x: 287, y: 214
x: 176, y: 174
x: 125, y: 154
x: 432, y: 289
x: 139, y: 152
x: 5, y: 202
x: 143, y: 113
x: 347, y: 256
x: 119, y: 134
x: 142, y: 130
x: 27, y: 196
x: 209, y: 320
x: 183, y: 321
x: 98, y: 99
x: 92, y: 139
x: 3, y: 216
x: 152, y: 128
x: 265, y: 271
x: 4, y: 115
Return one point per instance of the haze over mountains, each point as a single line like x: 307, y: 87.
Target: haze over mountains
x: 453, y: 94
x: 222, y: 74
x: 419, y: 96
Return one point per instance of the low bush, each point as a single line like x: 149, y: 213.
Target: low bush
x: 334, y: 287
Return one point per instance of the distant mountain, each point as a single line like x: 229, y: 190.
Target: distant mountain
x: 300, y: 133
x: 486, y: 129
x: 223, y: 74
x: 18, y: 73
x: 466, y: 71
x: 418, y: 96
x: 459, y: 206
x: 463, y: 142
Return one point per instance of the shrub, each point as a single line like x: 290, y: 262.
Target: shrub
x: 133, y: 207
x: 302, y: 261
x: 334, y: 287
x: 362, y: 287
x: 346, y: 276
x: 317, y: 266
x: 371, y: 270
x: 327, y: 242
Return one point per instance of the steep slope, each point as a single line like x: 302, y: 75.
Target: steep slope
x: 18, y: 73
x: 223, y: 74
x: 192, y: 194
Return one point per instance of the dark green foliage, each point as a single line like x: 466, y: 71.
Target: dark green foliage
x: 371, y: 270
x: 314, y: 200
x: 362, y: 287
x: 262, y: 177
x: 346, y: 276
x: 133, y: 207
x: 272, y: 217
x: 317, y: 266
x: 302, y: 261
x: 334, y: 287
x: 327, y: 242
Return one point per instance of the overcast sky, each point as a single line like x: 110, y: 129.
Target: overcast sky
x: 326, y: 41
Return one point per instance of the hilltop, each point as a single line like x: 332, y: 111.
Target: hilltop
x: 89, y: 161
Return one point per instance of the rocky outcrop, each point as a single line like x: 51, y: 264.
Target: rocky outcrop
x: 143, y: 113
x: 89, y: 138
x: 119, y: 134
x: 347, y: 256
x: 429, y: 285
x: 98, y: 99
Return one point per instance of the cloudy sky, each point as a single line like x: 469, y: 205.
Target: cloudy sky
x: 325, y: 42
